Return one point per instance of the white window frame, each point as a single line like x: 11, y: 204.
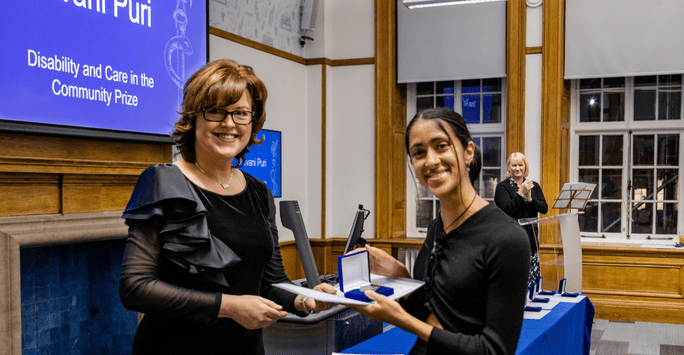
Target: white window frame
x: 578, y: 128
x: 476, y: 130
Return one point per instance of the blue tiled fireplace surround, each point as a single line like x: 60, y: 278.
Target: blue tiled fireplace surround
x: 70, y: 300
x: 59, y: 285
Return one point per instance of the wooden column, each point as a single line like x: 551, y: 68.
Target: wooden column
x: 390, y: 120
x: 555, y: 155
x: 516, y: 18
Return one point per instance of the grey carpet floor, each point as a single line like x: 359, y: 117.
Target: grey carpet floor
x: 636, y: 338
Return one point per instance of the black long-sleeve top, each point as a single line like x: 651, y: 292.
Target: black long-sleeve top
x: 476, y: 280
x: 507, y: 198
x: 186, y: 246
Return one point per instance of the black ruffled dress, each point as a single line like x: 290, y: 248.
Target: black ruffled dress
x: 186, y: 246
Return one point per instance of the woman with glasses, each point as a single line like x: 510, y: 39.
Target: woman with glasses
x: 202, y: 251
x: 474, y: 260
x: 520, y: 197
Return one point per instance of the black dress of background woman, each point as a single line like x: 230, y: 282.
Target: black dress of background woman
x: 522, y: 201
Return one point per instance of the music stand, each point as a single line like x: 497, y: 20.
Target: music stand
x: 572, y: 196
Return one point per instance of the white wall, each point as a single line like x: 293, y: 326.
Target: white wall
x: 350, y: 33
x: 344, y: 30
x: 350, y: 149
x: 286, y: 111
x: 533, y: 90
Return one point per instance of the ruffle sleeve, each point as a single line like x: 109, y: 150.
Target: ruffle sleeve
x: 164, y: 196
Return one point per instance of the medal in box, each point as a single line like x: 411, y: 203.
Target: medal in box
x: 354, y: 277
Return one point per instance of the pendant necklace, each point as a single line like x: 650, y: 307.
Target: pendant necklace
x: 444, y: 233
x: 226, y: 185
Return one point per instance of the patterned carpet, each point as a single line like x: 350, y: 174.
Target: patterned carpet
x: 636, y: 338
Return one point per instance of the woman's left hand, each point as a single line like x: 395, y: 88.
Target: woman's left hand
x: 390, y: 311
x: 384, y: 310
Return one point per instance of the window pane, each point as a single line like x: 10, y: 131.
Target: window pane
x: 668, y: 149
x: 590, y: 84
x: 589, y: 176
x: 470, y: 86
x: 644, y: 105
x: 476, y: 140
x: 424, y: 213
x: 645, y: 80
x: 611, y: 180
x: 589, y: 107
x: 666, y: 221
x: 490, y: 178
x: 668, y: 185
x: 489, y: 85
x: 643, y: 150
x: 491, y: 151
x: 491, y: 108
x: 612, y: 150
x: 445, y: 87
x: 471, y: 108
x: 614, y: 106
x: 614, y: 82
x: 670, y: 80
x: 610, y: 217
x: 446, y: 102
x: 425, y: 88
x: 423, y: 103
x: 422, y: 191
x: 642, y: 218
x: 588, y: 221
x: 642, y: 184
x: 589, y: 150
x: 669, y: 104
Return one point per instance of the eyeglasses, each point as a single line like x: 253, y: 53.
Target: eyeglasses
x: 214, y: 114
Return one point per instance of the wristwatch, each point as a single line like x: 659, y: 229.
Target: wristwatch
x: 302, y: 302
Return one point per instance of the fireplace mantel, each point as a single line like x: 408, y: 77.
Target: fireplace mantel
x: 41, y: 230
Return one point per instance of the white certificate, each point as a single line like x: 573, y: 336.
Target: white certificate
x: 401, y: 286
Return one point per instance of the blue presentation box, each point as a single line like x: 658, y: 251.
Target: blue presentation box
x: 354, y: 277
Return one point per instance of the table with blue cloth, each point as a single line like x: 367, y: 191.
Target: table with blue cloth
x: 565, y: 330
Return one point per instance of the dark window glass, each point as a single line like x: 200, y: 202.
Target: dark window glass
x: 445, y: 87
x: 470, y: 86
x: 425, y: 88
x: 643, y: 150
x: 644, y: 105
x: 590, y: 107
x: 612, y: 150
x: 614, y: 82
x: 589, y: 150
x: 590, y: 84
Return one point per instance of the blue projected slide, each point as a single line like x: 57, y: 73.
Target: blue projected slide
x: 104, y: 64
x: 264, y: 161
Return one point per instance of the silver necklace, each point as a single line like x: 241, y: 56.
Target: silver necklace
x: 226, y: 185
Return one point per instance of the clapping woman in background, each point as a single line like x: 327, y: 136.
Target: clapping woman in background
x: 520, y: 197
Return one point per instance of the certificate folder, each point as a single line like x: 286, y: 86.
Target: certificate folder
x: 355, y: 278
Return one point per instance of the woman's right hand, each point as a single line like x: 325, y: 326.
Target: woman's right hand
x: 251, y: 312
x: 383, y: 264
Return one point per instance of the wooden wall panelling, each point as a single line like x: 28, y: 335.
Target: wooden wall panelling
x: 516, y: 13
x: 96, y: 193
x: 555, y: 157
x: 31, y: 193
x: 390, y: 119
x: 635, y: 284
x: 48, y: 175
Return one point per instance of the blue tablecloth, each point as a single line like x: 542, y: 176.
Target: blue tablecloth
x: 565, y: 330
